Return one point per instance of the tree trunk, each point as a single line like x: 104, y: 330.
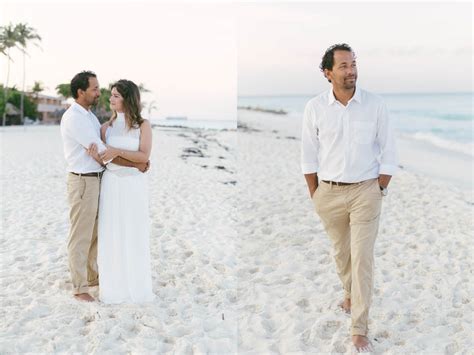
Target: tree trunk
x: 5, y: 91
x: 22, y: 101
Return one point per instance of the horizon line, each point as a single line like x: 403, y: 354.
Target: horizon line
x: 380, y: 93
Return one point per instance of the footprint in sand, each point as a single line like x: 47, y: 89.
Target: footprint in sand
x: 172, y: 312
x: 338, y: 347
x: 219, y: 267
x: 253, y: 270
x: 327, y: 329
x: 303, y: 303
x: 306, y: 337
x: 200, y: 290
x: 324, y: 260
x: 231, y: 296
x: 455, y: 314
x: 268, y: 325
x: 399, y: 343
x: 452, y: 348
x: 382, y: 334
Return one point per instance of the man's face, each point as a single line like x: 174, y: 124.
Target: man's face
x: 92, y: 93
x: 344, y: 71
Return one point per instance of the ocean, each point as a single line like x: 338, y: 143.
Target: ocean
x: 202, y: 124
x: 443, y: 120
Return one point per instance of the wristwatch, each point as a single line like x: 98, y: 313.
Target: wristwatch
x: 383, y: 191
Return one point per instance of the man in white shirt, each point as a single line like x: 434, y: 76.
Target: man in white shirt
x: 80, y: 128
x: 348, y: 157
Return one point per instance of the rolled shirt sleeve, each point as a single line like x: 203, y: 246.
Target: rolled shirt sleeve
x: 388, y: 157
x: 83, y: 132
x: 309, y: 142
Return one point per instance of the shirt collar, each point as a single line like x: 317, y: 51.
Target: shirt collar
x: 331, y: 97
x: 82, y: 109
x: 356, y: 97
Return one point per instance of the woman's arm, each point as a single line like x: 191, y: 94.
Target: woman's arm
x: 144, y: 150
x: 103, y: 129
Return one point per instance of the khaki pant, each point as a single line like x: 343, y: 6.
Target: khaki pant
x: 350, y: 215
x: 83, y: 196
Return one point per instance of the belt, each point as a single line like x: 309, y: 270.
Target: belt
x: 97, y: 174
x: 340, y: 183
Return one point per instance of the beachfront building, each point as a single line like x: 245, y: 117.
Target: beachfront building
x: 50, y: 108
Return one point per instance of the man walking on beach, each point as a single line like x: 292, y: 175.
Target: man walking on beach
x: 348, y: 158
x: 80, y: 128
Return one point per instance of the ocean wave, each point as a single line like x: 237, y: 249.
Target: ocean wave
x: 465, y: 148
x: 444, y: 116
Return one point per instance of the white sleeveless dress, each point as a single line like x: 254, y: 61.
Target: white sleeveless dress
x: 123, y: 255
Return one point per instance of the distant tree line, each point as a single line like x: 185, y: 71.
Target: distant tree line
x: 16, y: 104
x: 17, y: 37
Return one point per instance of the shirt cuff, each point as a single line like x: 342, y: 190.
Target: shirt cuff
x: 309, y: 168
x: 101, y: 147
x: 387, y: 169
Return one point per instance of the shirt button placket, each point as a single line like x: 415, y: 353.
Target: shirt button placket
x: 347, y: 141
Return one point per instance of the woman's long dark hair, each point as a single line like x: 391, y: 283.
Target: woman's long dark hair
x: 131, y: 102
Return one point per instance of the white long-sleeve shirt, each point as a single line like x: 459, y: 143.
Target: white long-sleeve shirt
x: 80, y: 128
x: 349, y: 143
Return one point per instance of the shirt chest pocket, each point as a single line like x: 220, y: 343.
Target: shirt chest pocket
x: 363, y: 132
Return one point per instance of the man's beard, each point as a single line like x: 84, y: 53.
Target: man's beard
x: 350, y: 84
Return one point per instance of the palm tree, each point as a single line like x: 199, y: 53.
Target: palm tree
x: 37, y: 88
x: 142, y: 88
x: 25, y: 35
x: 8, y: 40
x: 150, y: 107
x: 64, y: 90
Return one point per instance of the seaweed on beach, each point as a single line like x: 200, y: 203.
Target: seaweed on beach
x: 245, y: 128
x: 192, y: 152
x: 265, y: 110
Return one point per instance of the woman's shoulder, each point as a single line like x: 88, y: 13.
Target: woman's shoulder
x: 145, y: 124
x: 106, y: 124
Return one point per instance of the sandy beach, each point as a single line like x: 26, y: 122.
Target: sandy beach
x: 192, y: 248
x: 288, y: 287
x: 241, y: 263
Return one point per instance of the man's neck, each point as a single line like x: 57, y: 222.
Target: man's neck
x: 87, y: 107
x: 343, y: 95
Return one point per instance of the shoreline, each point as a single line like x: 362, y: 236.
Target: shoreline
x: 415, y: 156
x: 438, y: 163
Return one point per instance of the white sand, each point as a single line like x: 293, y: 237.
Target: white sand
x: 191, y: 244
x: 288, y: 287
x: 255, y: 252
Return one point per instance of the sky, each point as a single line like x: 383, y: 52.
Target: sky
x: 400, y: 47
x: 197, y: 58
x: 185, y: 54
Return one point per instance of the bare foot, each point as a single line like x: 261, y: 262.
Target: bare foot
x: 346, y: 305
x: 361, y: 343
x: 84, y: 297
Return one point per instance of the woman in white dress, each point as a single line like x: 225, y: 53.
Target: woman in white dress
x: 123, y: 231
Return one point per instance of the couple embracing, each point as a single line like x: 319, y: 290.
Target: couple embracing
x: 108, y: 193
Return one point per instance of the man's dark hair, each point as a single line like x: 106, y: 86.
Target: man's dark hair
x: 81, y: 81
x: 328, y: 58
